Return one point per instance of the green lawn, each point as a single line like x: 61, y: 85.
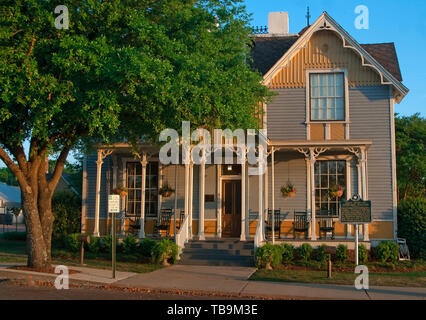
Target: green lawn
x: 14, y: 251
x: 391, y: 278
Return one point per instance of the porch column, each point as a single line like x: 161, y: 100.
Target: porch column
x: 261, y: 219
x: 243, y: 198
x: 175, y: 204
x: 191, y: 196
x: 142, y: 220
x: 312, y: 160
x: 218, y: 202
x: 101, y: 156
x: 266, y: 194
x: 273, y: 193
x: 308, y: 193
x: 186, y: 189
x: 202, y: 180
x: 363, y: 161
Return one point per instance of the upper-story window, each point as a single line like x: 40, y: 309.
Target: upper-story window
x: 327, y: 97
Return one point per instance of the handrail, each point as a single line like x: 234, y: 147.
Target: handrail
x: 182, y: 236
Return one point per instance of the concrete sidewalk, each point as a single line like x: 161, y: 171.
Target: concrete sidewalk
x: 223, y: 281
x: 233, y: 281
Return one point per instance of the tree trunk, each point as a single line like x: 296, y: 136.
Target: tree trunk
x: 36, y: 246
x: 46, y: 218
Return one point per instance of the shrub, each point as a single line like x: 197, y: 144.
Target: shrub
x: 321, y: 255
x: 71, y: 242
x: 342, y: 254
x: 268, y: 256
x: 144, y: 247
x: 412, y: 225
x: 13, y: 236
x: 105, y: 244
x: 387, y: 251
x: 94, y: 245
x: 362, y: 253
x: 66, y: 208
x: 165, y: 250
x: 287, y: 252
x: 129, y: 244
x: 304, y: 251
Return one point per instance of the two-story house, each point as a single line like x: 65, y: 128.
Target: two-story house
x: 330, y: 124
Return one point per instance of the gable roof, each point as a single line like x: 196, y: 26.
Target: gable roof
x: 270, y: 52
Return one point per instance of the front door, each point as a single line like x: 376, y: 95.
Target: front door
x: 231, y: 208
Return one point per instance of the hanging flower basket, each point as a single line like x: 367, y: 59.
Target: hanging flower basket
x: 336, y: 191
x: 288, y: 191
x: 166, y: 191
x: 122, y: 191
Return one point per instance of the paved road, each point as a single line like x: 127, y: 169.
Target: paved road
x: 11, y: 290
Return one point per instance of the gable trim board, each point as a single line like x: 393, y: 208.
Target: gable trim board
x: 325, y: 22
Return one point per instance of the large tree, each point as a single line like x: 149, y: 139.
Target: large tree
x: 411, y: 154
x: 123, y: 69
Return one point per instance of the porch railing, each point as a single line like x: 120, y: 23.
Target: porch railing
x: 182, y: 236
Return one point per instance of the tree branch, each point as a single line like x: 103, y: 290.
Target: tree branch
x: 60, y: 163
x: 14, y: 168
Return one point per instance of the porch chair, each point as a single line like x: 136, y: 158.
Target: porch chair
x: 277, y: 223
x: 300, y: 223
x: 164, y: 222
x: 134, y: 226
x: 326, y: 223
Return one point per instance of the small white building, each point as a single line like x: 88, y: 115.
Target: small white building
x: 10, y: 197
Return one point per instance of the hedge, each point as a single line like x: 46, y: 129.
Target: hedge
x: 412, y: 225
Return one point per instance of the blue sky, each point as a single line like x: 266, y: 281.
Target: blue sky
x: 401, y: 22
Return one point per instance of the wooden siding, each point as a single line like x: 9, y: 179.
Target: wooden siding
x: 324, y: 51
x: 337, y: 131
x: 287, y: 115
x: 370, y: 119
x: 289, y: 166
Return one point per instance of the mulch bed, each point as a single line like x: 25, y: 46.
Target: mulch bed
x: 50, y: 270
x: 349, y: 268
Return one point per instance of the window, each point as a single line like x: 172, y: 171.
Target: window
x: 134, y: 186
x: 328, y: 174
x: 327, y: 99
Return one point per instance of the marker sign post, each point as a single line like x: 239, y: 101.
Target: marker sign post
x: 113, y: 208
x: 356, y: 212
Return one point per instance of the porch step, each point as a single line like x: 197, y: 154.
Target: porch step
x: 220, y: 252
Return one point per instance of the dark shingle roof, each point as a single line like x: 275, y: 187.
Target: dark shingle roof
x: 266, y: 51
x: 385, y: 54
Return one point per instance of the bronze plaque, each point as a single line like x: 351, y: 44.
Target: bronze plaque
x: 355, y: 212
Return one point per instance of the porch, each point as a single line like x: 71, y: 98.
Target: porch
x: 213, y: 201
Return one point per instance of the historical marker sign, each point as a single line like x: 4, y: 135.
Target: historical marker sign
x: 355, y: 212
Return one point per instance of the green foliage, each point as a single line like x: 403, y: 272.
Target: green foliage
x: 304, y: 251
x: 129, y: 244
x: 287, y: 252
x: 412, y: 225
x: 144, y: 248
x: 268, y: 254
x: 71, y: 242
x: 94, y: 245
x: 165, y: 249
x: 106, y: 244
x: 362, y: 253
x: 321, y: 255
x: 410, y: 156
x: 13, y: 236
x: 66, y: 208
x: 387, y: 251
x: 6, y: 176
x: 342, y: 254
